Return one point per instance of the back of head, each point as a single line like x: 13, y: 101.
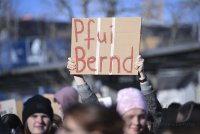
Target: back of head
x: 187, y: 120
x: 189, y: 113
x: 96, y: 118
x: 12, y: 121
x: 4, y: 129
x: 67, y: 96
x: 37, y: 104
x: 130, y: 98
x: 168, y: 120
x: 169, y: 114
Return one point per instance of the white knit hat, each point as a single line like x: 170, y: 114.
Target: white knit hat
x: 130, y: 98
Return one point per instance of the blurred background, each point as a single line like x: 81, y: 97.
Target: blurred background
x: 35, y: 43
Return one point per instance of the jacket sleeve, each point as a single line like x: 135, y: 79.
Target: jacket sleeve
x: 153, y: 104
x: 86, y: 94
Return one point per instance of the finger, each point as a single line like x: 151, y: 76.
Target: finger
x: 70, y: 59
x: 71, y: 63
x: 141, y: 60
x: 138, y: 56
x: 72, y: 69
x: 139, y: 64
x: 137, y: 61
x: 136, y: 66
x: 71, y: 66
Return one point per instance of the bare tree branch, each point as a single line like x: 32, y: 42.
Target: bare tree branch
x: 109, y: 7
x: 85, y: 7
x: 64, y: 7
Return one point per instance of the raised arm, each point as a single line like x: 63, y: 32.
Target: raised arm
x: 153, y: 104
x: 86, y: 94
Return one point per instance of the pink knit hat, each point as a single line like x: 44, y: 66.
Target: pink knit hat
x: 129, y: 98
x: 67, y: 96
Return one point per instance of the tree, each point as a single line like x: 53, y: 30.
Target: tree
x: 65, y: 8
x: 9, y: 19
x: 152, y: 11
x: 193, y: 7
x: 174, y: 8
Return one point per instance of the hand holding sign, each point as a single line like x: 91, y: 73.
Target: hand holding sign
x: 71, y: 65
x: 139, y: 66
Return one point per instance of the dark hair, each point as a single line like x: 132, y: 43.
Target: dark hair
x: 13, y: 122
x: 169, y: 114
x: 4, y: 129
x: 189, y: 112
x: 187, y: 119
x: 57, y: 122
x: 96, y: 118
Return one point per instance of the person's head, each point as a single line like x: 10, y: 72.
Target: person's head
x: 37, y: 115
x: 13, y: 122
x: 169, y: 114
x: 168, y: 120
x: 189, y: 112
x: 132, y: 107
x: 4, y: 129
x: 92, y: 119
x: 66, y: 97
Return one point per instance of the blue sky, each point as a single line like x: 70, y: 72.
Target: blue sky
x: 46, y: 9
x: 35, y: 8
x: 43, y: 9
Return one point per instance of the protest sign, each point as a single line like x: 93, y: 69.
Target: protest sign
x: 11, y: 107
x: 54, y: 104
x: 104, y: 46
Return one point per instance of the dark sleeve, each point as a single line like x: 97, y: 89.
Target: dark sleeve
x: 153, y: 104
x: 87, y: 95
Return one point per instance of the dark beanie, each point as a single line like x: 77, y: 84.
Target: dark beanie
x: 37, y: 104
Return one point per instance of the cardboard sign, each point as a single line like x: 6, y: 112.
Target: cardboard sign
x: 54, y: 104
x: 104, y: 46
x: 11, y: 106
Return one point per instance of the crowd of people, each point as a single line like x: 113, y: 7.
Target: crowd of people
x: 135, y: 112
